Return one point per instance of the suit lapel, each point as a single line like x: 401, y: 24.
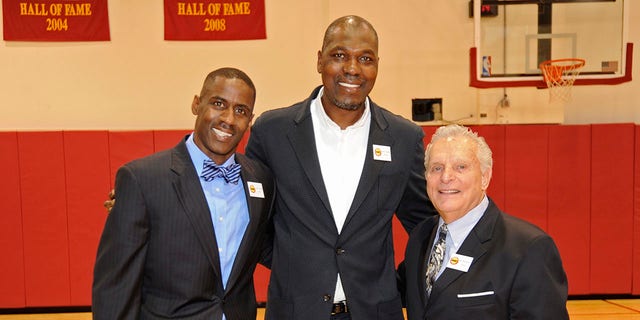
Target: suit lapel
x: 303, y: 142
x: 189, y: 192
x: 301, y: 137
x: 255, y: 211
x: 371, y: 168
x: 473, y: 246
x: 425, y: 252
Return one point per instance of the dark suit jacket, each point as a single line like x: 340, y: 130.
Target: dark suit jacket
x: 513, y: 258
x: 308, y: 252
x: 158, y: 255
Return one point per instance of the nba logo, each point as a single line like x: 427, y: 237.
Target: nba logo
x: 486, y: 66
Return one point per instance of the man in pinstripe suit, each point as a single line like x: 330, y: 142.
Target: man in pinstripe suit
x: 184, y: 237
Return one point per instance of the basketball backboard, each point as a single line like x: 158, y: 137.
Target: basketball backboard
x: 513, y: 37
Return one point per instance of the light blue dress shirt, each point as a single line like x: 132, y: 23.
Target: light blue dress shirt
x: 459, y: 230
x: 229, y: 212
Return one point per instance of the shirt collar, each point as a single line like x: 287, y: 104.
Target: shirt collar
x: 318, y: 111
x: 198, y: 157
x: 460, y: 229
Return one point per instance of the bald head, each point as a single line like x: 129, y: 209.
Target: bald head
x: 348, y: 23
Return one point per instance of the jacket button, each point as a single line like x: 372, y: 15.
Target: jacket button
x: 326, y: 297
x: 339, y: 251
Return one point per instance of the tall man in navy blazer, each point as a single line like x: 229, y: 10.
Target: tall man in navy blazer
x: 182, y: 241
x: 495, y: 266
x: 343, y: 166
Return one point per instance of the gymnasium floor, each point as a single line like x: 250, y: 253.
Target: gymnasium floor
x: 615, y: 309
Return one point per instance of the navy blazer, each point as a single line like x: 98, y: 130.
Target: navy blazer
x: 158, y: 256
x: 516, y: 273
x: 308, y: 252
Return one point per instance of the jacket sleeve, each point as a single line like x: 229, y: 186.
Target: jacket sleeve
x: 120, y: 261
x: 540, y: 288
x: 255, y: 150
x: 415, y: 205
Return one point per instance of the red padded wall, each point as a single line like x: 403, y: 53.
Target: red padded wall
x: 428, y: 132
x: 400, y: 238
x: 125, y: 146
x: 261, y: 282
x: 495, y: 138
x: 12, y: 291
x: 636, y: 218
x: 165, y: 139
x: 612, y: 166
x: 526, y: 170
x: 88, y: 178
x: 44, y: 217
x: 580, y: 183
x: 568, y: 198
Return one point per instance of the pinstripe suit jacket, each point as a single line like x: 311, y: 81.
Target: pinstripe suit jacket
x: 158, y: 256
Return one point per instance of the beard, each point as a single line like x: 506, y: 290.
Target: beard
x: 347, y: 105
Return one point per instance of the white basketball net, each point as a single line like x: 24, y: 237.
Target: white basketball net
x: 559, y: 76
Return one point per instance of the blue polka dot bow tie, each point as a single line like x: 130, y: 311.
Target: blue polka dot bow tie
x: 230, y: 173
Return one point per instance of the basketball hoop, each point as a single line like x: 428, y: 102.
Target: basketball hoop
x: 559, y: 76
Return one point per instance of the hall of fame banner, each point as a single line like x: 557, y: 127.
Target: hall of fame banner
x: 55, y: 20
x: 214, y: 20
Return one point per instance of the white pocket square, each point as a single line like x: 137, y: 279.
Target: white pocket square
x: 476, y: 294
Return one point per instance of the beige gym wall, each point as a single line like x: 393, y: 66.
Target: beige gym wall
x: 140, y: 81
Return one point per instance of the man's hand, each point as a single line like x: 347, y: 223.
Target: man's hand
x: 112, y: 200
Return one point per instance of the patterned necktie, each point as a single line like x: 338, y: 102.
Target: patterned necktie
x: 230, y: 173
x: 436, y: 257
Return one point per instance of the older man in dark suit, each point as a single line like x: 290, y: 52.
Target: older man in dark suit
x: 474, y: 261
x: 187, y: 229
x: 343, y: 166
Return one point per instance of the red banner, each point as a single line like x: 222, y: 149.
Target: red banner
x: 55, y: 20
x: 214, y: 20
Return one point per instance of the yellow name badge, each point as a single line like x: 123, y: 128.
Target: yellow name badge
x: 460, y: 262
x: 255, y: 189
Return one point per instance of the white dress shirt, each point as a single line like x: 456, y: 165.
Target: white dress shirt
x: 341, y: 154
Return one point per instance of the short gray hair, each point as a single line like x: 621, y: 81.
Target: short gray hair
x: 483, y: 152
